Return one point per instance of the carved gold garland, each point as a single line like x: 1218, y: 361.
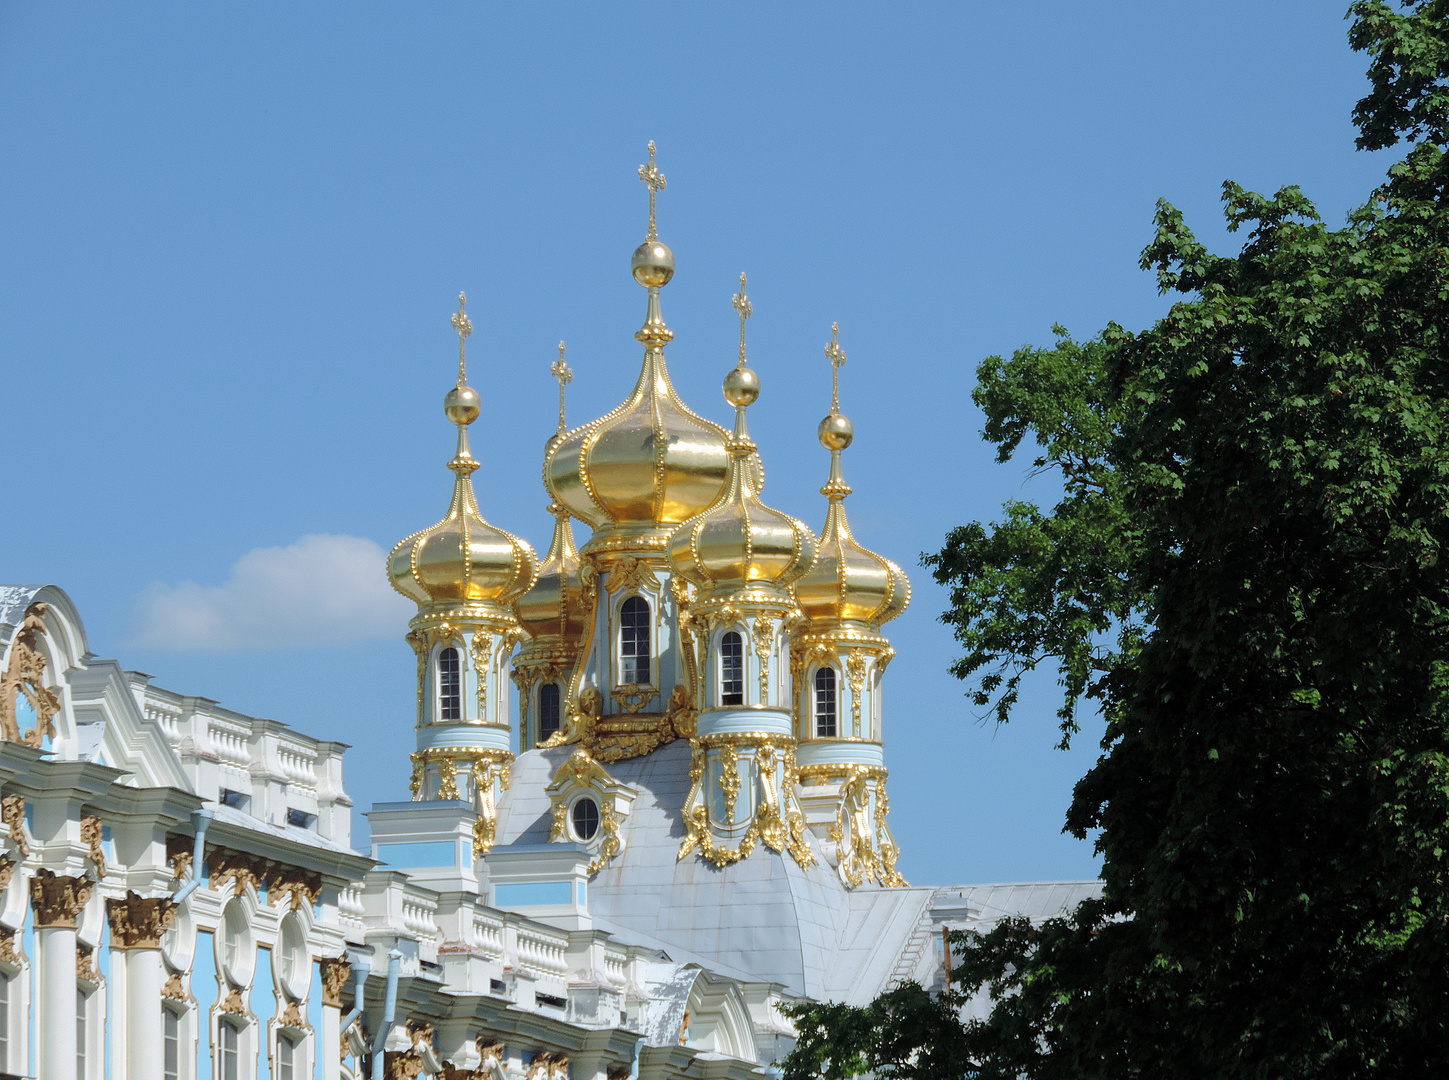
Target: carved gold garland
x: 91, y: 832
x: 12, y: 816
x: 764, y: 646
x: 482, y: 649
x: 866, y: 854
x: 855, y: 670
x: 777, y: 821
x: 25, y: 674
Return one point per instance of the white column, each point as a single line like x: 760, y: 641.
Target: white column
x: 145, y: 978
x: 56, y: 1031
x: 56, y: 902
x: 328, y: 1043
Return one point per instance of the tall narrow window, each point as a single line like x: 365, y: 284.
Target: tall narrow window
x: 634, y: 641
x: 230, y: 1039
x: 5, y: 981
x: 286, y: 1058
x: 170, y: 1044
x: 80, y: 1034
x: 549, y: 710
x: 450, y: 685
x: 825, y: 703
x: 731, y: 669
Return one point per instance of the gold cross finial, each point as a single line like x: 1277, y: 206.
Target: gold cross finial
x: 836, y: 356
x: 560, y: 371
x: 746, y: 309
x: 464, y: 326
x: 653, y: 179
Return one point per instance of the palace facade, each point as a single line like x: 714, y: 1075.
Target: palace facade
x: 648, y: 803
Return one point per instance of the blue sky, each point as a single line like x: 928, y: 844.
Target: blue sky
x: 232, y: 236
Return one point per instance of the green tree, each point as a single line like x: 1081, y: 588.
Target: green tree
x: 1244, y: 575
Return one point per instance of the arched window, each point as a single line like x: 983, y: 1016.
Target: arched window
x: 549, y: 711
x: 731, y: 669
x: 634, y: 641
x: 450, y: 685
x: 825, y: 703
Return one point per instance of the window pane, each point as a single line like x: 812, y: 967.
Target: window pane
x: 285, y: 1058
x: 732, y: 669
x: 450, y: 686
x: 230, y: 1057
x: 586, y: 818
x: 4, y: 1023
x: 634, y: 640
x: 80, y: 1035
x: 825, y: 703
x: 171, y: 1042
x: 549, y: 718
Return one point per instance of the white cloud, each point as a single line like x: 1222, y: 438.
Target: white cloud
x: 321, y: 590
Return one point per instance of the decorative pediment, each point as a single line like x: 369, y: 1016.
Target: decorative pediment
x: 587, y: 804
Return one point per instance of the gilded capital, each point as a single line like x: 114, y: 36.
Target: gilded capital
x: 57, y: 900
x: 137, y: 922
x: 335, y: 974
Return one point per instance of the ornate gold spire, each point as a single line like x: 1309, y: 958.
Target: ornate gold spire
x: 559, y: 369
x: 653, y: 179
x: 739, y: 543
x: 463, y: 557
x: 848, y: 583
x: 651, y: 463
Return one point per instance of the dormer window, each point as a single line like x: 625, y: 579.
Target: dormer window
x: 731, y: 669
x: 825, y: 703
x: 550, y: 711
x: 634, y: 642
x: 450, y: 685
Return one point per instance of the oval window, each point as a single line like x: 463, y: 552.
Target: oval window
x: 586, y: 819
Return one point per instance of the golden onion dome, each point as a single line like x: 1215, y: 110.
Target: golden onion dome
x: 739, y: 542
x: 462, y: 559
x: 651, y: 463
x: 848, y: 582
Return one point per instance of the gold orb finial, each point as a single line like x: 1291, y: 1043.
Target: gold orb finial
x: 462, y: 403
x: 653, y: 262
x: 742, y: 385
x: 835, y: 431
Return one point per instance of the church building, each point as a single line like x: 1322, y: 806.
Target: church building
x: 648, y: 807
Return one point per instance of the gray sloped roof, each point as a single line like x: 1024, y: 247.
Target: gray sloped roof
x: 765, y: 915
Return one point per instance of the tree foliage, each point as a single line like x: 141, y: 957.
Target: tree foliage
x: 1244, y: 573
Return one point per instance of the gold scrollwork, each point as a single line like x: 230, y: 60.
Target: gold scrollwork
x: 855, y: 671
x: 866, y: 853
x: 630, y: 574
x: 764, y: 646
x: 777, y: 820
x: 91, y: 832
x: 25, y: 675
x: 632, y: 697
x: 482, y: 652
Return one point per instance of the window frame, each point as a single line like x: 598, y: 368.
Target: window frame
x: 816, y: 691
x: 543, y: 736
x: 237, y: 1029
x: 574, y: 831
x: 651, y: 641
x: 721, y: 674
x: 177, y: 1018
x: 445, y: 697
